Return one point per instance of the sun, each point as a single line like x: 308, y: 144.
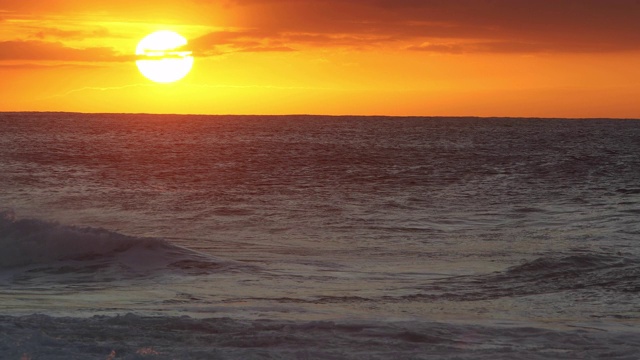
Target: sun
x: 162, y: 57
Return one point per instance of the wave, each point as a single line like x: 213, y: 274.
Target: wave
x: 39, y: 247
x: 603, y: 271
x: 552, y: 266
x: 592, y: 272
x: 585, y: 275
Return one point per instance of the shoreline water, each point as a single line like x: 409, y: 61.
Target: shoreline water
x: 134, y: 337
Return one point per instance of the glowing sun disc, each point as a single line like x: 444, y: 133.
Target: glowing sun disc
x: 161, y: 57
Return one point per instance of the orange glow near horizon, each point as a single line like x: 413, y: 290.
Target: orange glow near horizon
x: 374, y: 57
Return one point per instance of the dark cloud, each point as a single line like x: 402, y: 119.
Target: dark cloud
x: 215, y: 43
x: 512, y: 47
x: 267, y: 49
x: 220, y: 42
x: 500, y: 25
x: 451, y: 26
x: 53, y: 51
x: 41, y: 66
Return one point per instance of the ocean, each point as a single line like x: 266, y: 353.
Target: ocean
x: 316, y: 237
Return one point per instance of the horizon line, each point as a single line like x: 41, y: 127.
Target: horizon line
x: 323, y: 115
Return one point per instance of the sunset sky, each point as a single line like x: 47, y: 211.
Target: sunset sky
x: 542, y: 58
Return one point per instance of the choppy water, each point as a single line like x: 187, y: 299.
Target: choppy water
x: 163, y: 236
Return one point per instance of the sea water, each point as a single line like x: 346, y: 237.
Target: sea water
x: 315, y: 237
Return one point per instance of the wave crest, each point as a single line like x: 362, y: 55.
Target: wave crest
x: 552, y: 266
x: 593, y: 273
x: 46, y: 247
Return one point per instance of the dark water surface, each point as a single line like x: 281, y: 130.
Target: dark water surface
x: 274, y: 236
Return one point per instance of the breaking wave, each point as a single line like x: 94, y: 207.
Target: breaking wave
x: 594, y: 272
x: 596, y: 275
x: 35, y: 246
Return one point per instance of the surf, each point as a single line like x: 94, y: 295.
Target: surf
x: 35, y: 249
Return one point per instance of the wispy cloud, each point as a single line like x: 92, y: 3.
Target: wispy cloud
x: 491, y: 25
x: 454, y: 27
x: 54, y: 33
x: 33, y: 50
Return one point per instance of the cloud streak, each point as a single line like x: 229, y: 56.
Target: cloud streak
x: 434, y: 26
x: 492, y: 25
x: 53, y: 33
x: 55, y: 51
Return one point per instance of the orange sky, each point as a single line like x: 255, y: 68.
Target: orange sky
x: 546, y: 58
